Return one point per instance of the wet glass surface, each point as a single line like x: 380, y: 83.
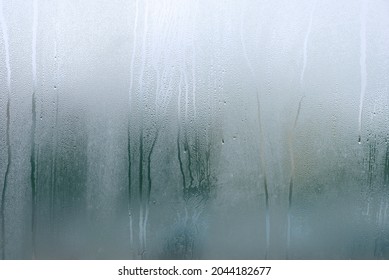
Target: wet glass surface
x: 163, y: 129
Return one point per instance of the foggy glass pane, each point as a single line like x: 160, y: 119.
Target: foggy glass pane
x: 161, y: 129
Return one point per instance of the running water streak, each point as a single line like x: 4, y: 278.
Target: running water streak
x: 133, y: 51
x: 34, y: 38
x: 128, y: 125
x: 179, y: 133
x: 306, y: 39
x: 55, y: 126
x: 33, y: 155
x: 142, y: 201
x: 362, y: 63
x: 261, y: 142
x: 290, y: 193
x: 4, y: 31
x: 194, y: 65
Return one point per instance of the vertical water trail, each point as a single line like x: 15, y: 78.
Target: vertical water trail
x: 180, y: 161
x: 186, y: 141
x: 141, y: 97
x: 149, y: 181
x: 4, y: 31
x: 129, y: 208
x: 290, y: 194
x: 263, y: 164
x: 129, y: 124
x: 141, y: 242
x: 149, y: 186
x: 148, y: 192
x: 187, y: 149
x: 194, y: 63
x: 186, y: 98
x: 261, y: 141
x: 242, y: 42
x: 178, y: 135
x: 157, y: 89
x: 380, y: 224
x: 362, y: 63
x: 133, y: 49
x: 33, y: 161
x: 33, y: 46
x: 305, y: 48
x: 55, y: 127
x: 291, y: 135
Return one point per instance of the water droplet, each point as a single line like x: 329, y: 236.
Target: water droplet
x: 222, y: 141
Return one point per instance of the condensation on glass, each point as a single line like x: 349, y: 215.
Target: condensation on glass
x: 163, y: 129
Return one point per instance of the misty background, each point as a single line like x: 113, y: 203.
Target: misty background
x: 193, y: 129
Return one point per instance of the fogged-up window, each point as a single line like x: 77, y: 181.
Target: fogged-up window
x: 163, y: 129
